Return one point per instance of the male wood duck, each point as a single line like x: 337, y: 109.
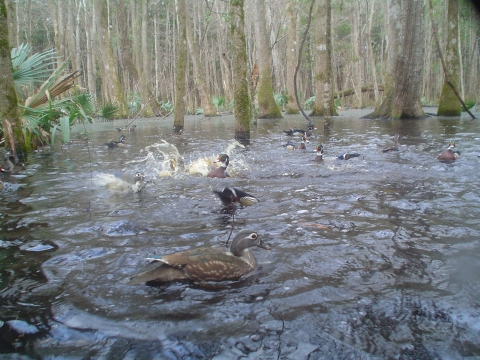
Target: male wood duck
x: 347, y: 156
x: 236, y: 197
x: 319, y: 153
x: 392, y: 147
x: 450, y: 154
x: 140, y: 183
x: 298, y: 132
x: 206, y: 264
x: 121, y: 143
x: 292, y: 146
x: 221, y: 171
x: 132, y: 128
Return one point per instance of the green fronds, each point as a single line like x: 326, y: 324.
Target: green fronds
x: 109, y: 110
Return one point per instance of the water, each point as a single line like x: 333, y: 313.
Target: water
x: 375, y: 257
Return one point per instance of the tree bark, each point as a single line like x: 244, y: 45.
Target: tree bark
x: 12, y: 125
x: 114, y: 91
x: 239, y: 76
x: 12, y: 23
x: 292, y: 107
x: 180, y: 91
x: 449, y: 105
x: 356, y: 57
x: 145, y: 78
x: 198, y: 69
x: 403, y: 77
x: 267, y: 107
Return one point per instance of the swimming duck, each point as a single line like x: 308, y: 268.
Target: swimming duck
x: 121, y: 143
x: 392, y: 147
x: 298, y: 132
x: 9, y: 162
x: 206, y: 264
x: 347, y: 156
x: 140, y: 183
x: 450, y: 154
x: 233, y: 196
x: 292, y: 146
x: 221, y: 171
x: 132, y: 128
x: 319, y: 153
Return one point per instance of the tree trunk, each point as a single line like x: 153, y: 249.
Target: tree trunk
x: 198, y: 69
x: 292, y: 107
x: 239, y: 76
x: 403, y: 77
x: 180, y: 92
x: 267, y: 107
x: 114, y: 91
x: 89, y: 36
x: 12, y: 125
x: 371, y: 54
x: 449, y: 105
x: 356, y: 57
x: 12, y: 23
x: 145, y: 78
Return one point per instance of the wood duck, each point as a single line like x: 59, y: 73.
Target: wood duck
x: 298, y: 132
x: 450, y: 154
x: 392, y: 147
x: 132, y: 128
x: 140, y: 183
x: 121, y: 143
x: 236, y: 197
x: 221, y: 171
x: 319, y: 153
x: 206, y: 264
x: 292, y: 146
x: 347, y: 156
x: 9, y: 162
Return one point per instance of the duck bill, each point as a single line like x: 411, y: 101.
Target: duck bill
x: 263, y: 245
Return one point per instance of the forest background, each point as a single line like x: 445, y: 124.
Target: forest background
x: 126, y: 52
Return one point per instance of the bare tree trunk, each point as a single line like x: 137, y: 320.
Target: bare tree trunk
x: 70, y: 35
x: 239, y: 66
x: 89, y: 36
x: 449, y: 105
x: 114, y: 89
x: 12, y: 23
x: 145, y: 78
x: 12, y: 125
x: 356, y: 58
x: 371, y: 53
x: 198, y: 69
x: 403, y: 76
x: 180, y: 92
x: 266, y: 102
x: 292, y: 107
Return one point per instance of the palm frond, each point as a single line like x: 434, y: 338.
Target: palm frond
x: 109, y: 110
x: 33, y: 69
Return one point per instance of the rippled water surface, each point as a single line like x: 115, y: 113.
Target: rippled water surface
x: 375, y: 257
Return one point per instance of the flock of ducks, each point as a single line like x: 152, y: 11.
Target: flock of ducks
x: 217, y: 263
x: 449, y: 155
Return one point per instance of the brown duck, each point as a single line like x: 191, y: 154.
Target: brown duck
x: 206, y: 264
x: 221, y: 171
x: 450, y: 154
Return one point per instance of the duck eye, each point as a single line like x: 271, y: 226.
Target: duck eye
x: 254, y: 236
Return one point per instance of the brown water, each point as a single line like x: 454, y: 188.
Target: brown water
x: 375, y: 257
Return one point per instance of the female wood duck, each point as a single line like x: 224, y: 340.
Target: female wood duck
x: 206, y: 264
x: 394, y: 147
x: 298, y: 132
x: 319, y: 153
x: 121, y: 143
x: 9, y: 162
x: 140, y: 183
x: 221, y: 171
x: 292, y: 146
x: 450, y: 154
x: 132, y: 128
x: 347, y: 156
x: 236, y: 197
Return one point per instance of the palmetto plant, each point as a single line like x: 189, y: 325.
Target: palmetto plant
x: 43, y: 110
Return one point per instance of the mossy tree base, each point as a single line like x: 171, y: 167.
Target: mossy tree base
x: 449, y: 105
